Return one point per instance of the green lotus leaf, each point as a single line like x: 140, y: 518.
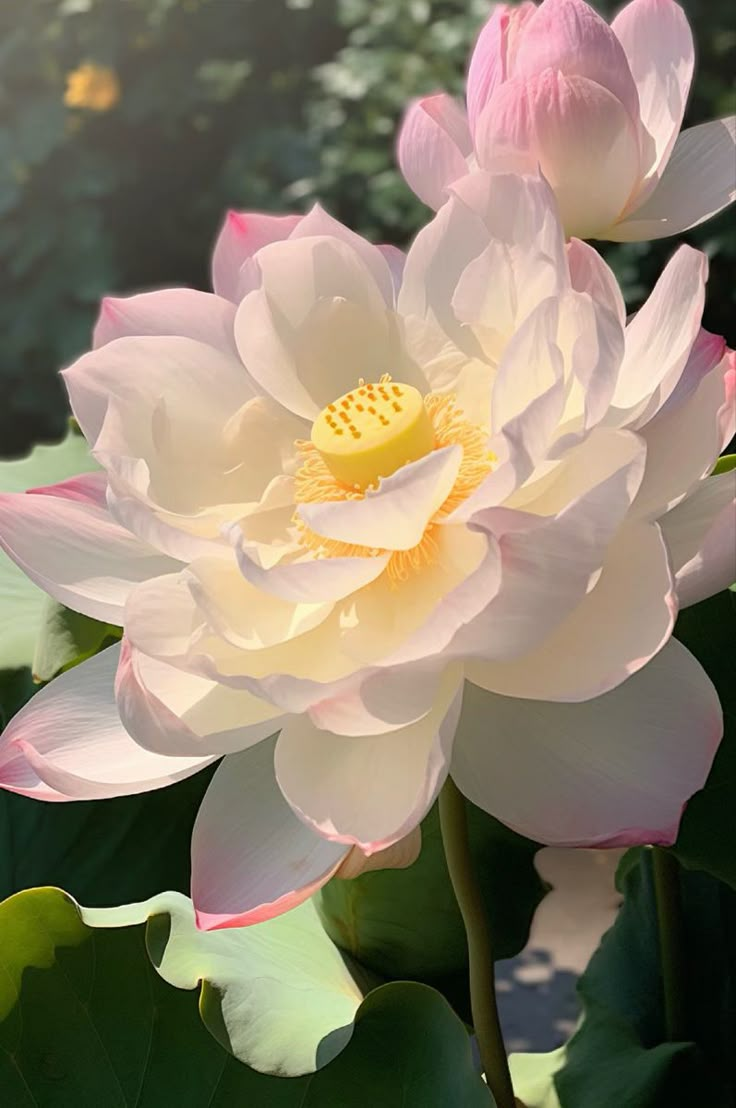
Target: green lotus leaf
x: 278, y: 995
x: 85, y: 1019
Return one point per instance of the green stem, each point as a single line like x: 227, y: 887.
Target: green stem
x: 671, y: 942
x: 454, y: 824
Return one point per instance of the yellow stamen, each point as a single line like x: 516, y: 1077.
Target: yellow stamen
x: 317, y: 481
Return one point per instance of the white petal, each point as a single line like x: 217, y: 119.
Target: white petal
x: 519, y: 211
x: 163, y: 621
x: 494, y: 252
x: 697, y: 183
x: 658, y: 43
x: 383, y: 701
x: 132, y: 374
x: 171, y: 712
x: 549, y: 564
x: 589, y: 273
x: 591, y: 338
x: 368, y: 790
x: 310, y: 580
x: 436, y: 258
x: 169, y: 460
x: 245, y: 616
x: 696, y: 427
x: 701, y: 536
x: 297, y: 273
x: 76, y: 552
x: 532, y: 366
x: 385, y: 625
x: 161, y: 617
x: 613, y: 771
x: 617, y: 627
x: 252, y: 859
x: 396, y: 514
x: 75, y: 746
x: 307, y: 365
x: 318, y: 222
x: 660, y: 336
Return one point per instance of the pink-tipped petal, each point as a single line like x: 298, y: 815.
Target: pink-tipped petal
x: 90, y: 488
x: 613, y: 771
x: 252, y: 859
x: 242, y: 234
x: 188, y: 312
x: 74, y: 746
x: 433, y: 147
x: 493, y: 54
x: 707, y: 352
x: 570, y: 36
x: 577, y: 132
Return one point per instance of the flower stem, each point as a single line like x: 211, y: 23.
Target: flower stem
x: 454, y: 824
x: 671, y: 942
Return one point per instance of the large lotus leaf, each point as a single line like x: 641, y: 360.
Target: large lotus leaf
x: 278, y: 995
x: 533, y: 1078
x: 707, y: 838
x: 619, y: 1055
x: 406, y: 923
x: 85, y: 1020
x: 21, y: 602
x: 408, y: 1049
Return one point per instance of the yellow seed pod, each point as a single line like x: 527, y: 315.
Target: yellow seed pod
x: 372, y: 431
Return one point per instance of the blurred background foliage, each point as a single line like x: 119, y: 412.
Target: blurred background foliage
x: 127, y: 127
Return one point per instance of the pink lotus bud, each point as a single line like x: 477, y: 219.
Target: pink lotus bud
x: 597, y: 108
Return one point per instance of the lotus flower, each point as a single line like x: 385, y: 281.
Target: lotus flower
x: 417, y: 520
x: 597, y: 108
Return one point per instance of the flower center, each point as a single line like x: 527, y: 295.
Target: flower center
x: 362, y: 437
x: 372, y: 431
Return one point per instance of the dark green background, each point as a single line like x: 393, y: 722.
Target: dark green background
x: 246, y: 103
